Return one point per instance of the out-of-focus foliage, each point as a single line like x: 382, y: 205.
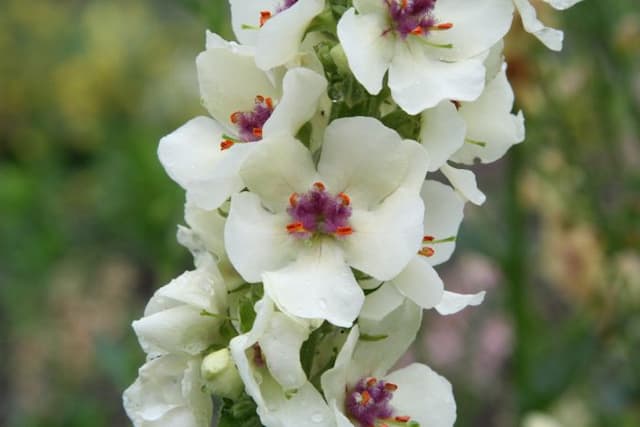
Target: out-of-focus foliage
x: 87, y: 216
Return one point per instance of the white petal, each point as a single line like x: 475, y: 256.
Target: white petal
x: 452, y: 302
x: 256, y: 240
x: 179, y: 329
x: 465, y: 182
x: 444, y: 210
x: 442, y: 133
x: 489, y: 121
x: 399, y: 329
x: 420, y: 283
x: 384, y: 240
x: 193, y: 288
x: 245, y: 18
x: 278, y: 167
x: 208, y: 227
x: 230, y: 82
x: 477, y: 25
x: 419, y: 81
x: 368, y: 52
x: 551, y: 37
x: 301, y: 90
x: 318, y: 285
x: 167, y: 393
x: 334, y: 380
x: 281, y: 344
x: 380, y: 303
x: 192, y: 157
x: 562, y: 4
x: 423, y: 395
x: 419, y: 162
x: 280, y: 37
x: 364, y: 159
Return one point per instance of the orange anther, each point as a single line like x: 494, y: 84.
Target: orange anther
x: 426, y: 251
x: 390, y: 387
x: 293, y: 199
x: 269, y: 103
x: 295, y: 227
x: 443, y: 26
x: 226, y: 144
x: 371, y: 382
x: 259, y: 99
x: 346, y: 200
x: 402, y: 418
x: 235, y: 117
x: 417, y: 31
x: 344, y: 231
x: 257, y: 132
x: 428, y: 239
x: 320, y: 186
x: 265, y: 15
x: 404, y: 3
x: 366, y: 398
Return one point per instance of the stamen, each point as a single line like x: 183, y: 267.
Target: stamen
x: 428, y: 239
x: 371, y: 382
x: 344, y: 231
x: 295, y: 227
x: 366, y: 398
x: 402, y: 418
x: 265, y: 15
x: 319, y: 185
x: 226, y: 144
x: 257, y: 132
x: 293, y: 199
x: 269, y: 102
x: 426, y: 251
x: 443, y: 26
x: 390, y: 387
x: 235, y: 117
x: 346, y: 200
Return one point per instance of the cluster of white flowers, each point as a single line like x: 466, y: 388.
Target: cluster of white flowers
x: 313, y: 229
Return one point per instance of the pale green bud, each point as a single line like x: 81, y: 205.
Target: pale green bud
x: 221, y: 375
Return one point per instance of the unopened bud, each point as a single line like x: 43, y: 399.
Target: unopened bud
x: 221, y: 375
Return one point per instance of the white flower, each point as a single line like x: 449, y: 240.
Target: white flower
x: 483, y: 129
x: 168, y: 392
x: 362, y: 394
x: 249, y: 107
x: 419, y: 281
x: 268, y: 360
x: 432, y: 49
x: 274, y: 27
x: 551, y: 37
x: 299, y: 230
x: 180, y: 317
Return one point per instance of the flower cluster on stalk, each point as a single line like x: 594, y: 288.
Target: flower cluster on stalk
x: 311, y: 214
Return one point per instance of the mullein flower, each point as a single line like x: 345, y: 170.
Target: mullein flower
x: 248, y: 108
x: 300, y: 228
x: 433, y: 49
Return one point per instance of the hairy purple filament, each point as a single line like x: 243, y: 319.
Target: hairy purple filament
x: 369, y: 400
x: 318, y: 211
x: 411, y: 16
x: 250, y: 123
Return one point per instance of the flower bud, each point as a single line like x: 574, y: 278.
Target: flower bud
x: 221, y: 375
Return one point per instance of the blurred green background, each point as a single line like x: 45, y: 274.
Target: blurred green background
x: 88, y: 217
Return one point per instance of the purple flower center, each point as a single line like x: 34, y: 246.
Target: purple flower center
x: 319, y: 212
x: 286, y: 5
x: 369, y: 402
x: 250, y: 123
x: 413, y: 17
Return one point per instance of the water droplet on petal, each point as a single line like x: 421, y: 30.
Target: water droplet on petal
x: 317, y: 417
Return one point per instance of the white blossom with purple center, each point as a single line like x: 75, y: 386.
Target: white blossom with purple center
x: 299, y: 229
x: 433, y: 49
x: 248, y: 107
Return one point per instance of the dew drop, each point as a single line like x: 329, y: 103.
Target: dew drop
x: 317, y: 417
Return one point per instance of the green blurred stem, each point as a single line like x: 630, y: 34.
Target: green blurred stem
x: 515, y: 274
